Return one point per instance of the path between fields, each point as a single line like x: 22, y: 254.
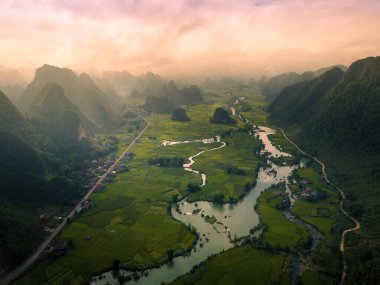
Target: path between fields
x: 17, y: 272
x: 187, y: 166
x: 346, y: 231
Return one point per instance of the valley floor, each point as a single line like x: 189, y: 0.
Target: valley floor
x: 130, y: 221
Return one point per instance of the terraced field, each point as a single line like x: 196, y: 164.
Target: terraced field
x: 129, y: 220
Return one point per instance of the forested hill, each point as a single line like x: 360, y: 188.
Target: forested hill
x: 336, y: 109
x: 80, y: 90
x: 42, y: 164
x: 168, y: 96
x: 51, y: 104
x: 297, y: 103
x: 273, y: 86
x: 336, y: 117
x: 10, y: 118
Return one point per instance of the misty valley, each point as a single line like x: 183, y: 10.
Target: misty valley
x: 124, y: 179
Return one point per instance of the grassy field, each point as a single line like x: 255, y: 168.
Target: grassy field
x: 252, y: 96
x: 129, y: 220
x: 279, y: 232
x: 282, y: 143
x: 240, y: 265
x: 319, y: 213
x: 237, y: 153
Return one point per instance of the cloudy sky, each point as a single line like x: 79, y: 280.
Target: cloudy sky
x: 193, y: 37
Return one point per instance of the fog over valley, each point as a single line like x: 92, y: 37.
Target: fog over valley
x: 189, y: 142
x: 193, y: 38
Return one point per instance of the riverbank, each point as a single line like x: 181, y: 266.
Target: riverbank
x: 342, y: 195
x: 129, y: 220
x: 312, y: 268
x: 227, y: 222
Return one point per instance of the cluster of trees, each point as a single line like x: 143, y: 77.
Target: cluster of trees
x: 173, y: 161
x: 192, y: 188
x: 248, y: 186
x: 221, y: 116
x: 218, y: 198
x: 233, y: 170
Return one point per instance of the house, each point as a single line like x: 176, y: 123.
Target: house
x: 86, y: 204
x: 305, y: 181
x: 121, y: 169
x: 306, y: 193
x: 99, y: 187
x: 57, y: 248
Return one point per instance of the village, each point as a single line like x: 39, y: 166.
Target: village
x: 96, y: 169
x: 303, y: 188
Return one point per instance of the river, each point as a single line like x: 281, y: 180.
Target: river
x: 232, y: 220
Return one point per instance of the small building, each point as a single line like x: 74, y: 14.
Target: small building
x: 305, y: 181
x: 99, y: 187
x: 306, y: 193
x: 56, y: 249
x: 86, y: 204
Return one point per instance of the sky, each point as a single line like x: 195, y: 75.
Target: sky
x: 199, y: 38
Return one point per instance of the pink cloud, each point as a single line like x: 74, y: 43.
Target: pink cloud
x: 193, y: 36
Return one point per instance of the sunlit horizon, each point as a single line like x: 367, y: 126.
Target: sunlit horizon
x: 192, y: 38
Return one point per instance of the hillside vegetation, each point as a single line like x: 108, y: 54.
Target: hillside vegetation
x: 273, y: 86
x: 336, y: 117
x: 98, y: 106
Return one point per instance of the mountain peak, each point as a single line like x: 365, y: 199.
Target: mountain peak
x: 52, y: 73
x: 365, y: 69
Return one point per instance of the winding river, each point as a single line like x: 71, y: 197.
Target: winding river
x: 232, y: 220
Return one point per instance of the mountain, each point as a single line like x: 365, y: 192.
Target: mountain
x: 80, y: 90
x: 41, y: 165
x: 351, y: 117
x: 160, y: 105
x: 187, y: 95
x: 124, y: 83
x: 191, y: 94
x: 12, y: 82
x: 273, y: 86
x: 336, y: 108
x: 179, y: 114
x: 168, y: 96
x: 276, y: 84
x: 298, y: 102
x: 51, y: 104
x: 22, y: 183
x: 115, y: 82
x: 149, y: 85
x: 10, y: 118
x: 336, y: 118
x: 10, y: 76
x: 221, y: 116
x: 324, y: 69
x: 13, y: 91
